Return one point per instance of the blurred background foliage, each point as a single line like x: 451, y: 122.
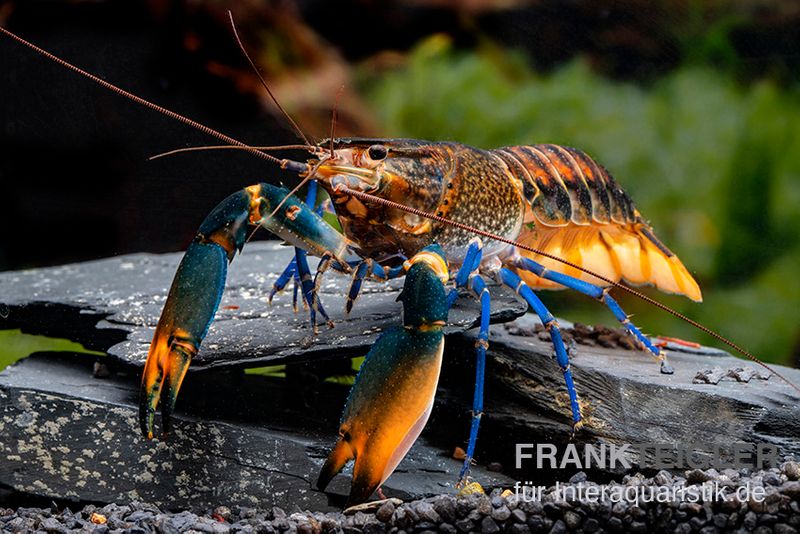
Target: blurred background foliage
x: 692, y: 105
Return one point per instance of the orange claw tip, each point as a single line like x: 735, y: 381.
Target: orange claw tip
x: 341, y: 454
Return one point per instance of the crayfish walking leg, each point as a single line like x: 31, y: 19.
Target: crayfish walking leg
x: 602, y: 295
x: 197, y: 288
x: 512, y: 280
x: 467, y: 276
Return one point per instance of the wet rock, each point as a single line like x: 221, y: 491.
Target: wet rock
x: 81, y: 431
x: 501, y: 514
x: 709, y: 376
x: 488, y: 526
x: 112, y: 305
x: 791, y: 469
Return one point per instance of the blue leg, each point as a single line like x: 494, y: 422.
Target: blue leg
x: 283, y: 279
x: 512, y: 280
x: 472, y: 260
x: 365, y: 268
x: 307, y: 287
x: 326, y: 261
x: 360, y: 273
x: 468, y: 277
x: 478, y: 286
x: 296, y: 287
x: 602, y: 295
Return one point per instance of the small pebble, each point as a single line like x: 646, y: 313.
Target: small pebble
x: 572, y: 520
x: 578, y: 477
x: 791, y: 470
x: 697, y: 476
x: 495, y: 467
x: 709, y: 376
x: 501, y: 514
x: 385, y: 512
x: 488, y: 526
x: 742, y: 374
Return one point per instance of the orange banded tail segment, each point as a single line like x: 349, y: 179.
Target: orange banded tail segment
x: 551, y: 204
x: 571, y: 187
x: 596, y: 181
x: 574, y: 181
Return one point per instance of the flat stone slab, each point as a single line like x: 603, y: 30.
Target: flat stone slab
x: 113, y: 305
x: 624, y: 398
x: 253, y: 440
x: 239, y: 440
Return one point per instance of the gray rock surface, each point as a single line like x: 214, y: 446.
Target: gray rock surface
x: 113, y: 305
x: 623, y: 396
x: 242, y: 440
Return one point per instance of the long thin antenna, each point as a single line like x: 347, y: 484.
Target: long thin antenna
x: 264, y: 83
x: 371, y: 198
x: 334, y: 113
x: 146, y: 103
x: 231, y: 147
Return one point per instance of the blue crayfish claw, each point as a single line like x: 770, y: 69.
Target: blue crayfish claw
x: 200, y: 280
x: 392, y: 397
x: 190, y: 307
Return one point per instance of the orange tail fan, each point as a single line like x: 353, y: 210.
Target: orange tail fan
x: 619, y: 252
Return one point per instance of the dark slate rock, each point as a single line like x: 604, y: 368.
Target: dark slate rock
x: 242, y: 440
x: 239, y: 440
x: 113, y: 305
x: 624, y: 398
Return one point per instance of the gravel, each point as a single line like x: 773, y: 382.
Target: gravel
x: 778, y: 512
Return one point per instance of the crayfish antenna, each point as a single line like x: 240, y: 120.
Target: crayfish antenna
x: 266, y: 86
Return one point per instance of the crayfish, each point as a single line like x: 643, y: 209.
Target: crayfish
x: 546, y: 217
x: 554, y: 198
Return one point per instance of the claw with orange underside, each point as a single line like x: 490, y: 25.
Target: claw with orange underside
x: 392, y: 397
x: 200, y: 280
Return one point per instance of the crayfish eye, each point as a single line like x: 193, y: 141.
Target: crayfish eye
x: 377, y: 152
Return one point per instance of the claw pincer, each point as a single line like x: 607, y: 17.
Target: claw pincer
x: 392, y: 397
x: 200, y: 279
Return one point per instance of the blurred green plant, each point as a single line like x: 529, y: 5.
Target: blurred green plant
x: 14, y: 346
x: 279, y: 371
x: 713, y: 164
